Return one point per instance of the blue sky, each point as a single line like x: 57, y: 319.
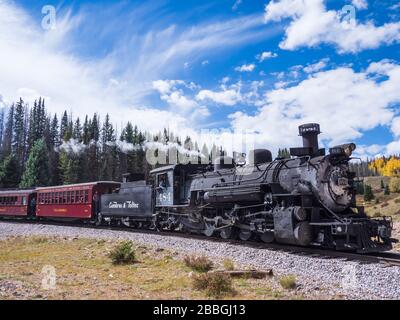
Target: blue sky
x: 256, y: 65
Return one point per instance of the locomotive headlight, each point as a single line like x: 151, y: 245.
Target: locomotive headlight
x: 349, y: 148
x: 344, y: 149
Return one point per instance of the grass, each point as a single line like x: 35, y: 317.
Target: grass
x: 84, y: 270
x: 229, y: 265
x: 214, y: 285
x: 123, y: 253
x: 288, y: 282
x: 198, y: 263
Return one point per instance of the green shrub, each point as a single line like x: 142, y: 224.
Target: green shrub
x: 199, y: 264
x: 123, y: 253
x: 288, y: 282
x: 229, y: 265
x: 215, y: 285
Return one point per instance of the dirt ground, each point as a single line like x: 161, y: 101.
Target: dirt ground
x: 51, y: 268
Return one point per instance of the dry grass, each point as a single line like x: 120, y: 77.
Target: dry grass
x: 198, y: 263
x: 388, y: 204
x: 84, y: 271
x: 288, y: 282
x: 229, y: 265
x: 213, y: 284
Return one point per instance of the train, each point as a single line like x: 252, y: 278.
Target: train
x: 306, y: 200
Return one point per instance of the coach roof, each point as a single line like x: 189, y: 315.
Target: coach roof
x: 78, y: 185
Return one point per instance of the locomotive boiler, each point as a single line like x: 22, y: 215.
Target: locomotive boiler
x: 307, y: 199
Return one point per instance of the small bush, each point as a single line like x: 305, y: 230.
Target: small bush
x: 215, y: 285
x: 288, y: 282
x: 229, y: 265
x: 397, y: 200
x: 123, y: 253
x: 199, y: 264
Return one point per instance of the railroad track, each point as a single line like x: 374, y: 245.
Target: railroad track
x: 387, y: 259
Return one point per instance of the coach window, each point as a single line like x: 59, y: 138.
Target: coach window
x: 69, y: 197
x: 86, y: 196
x: 72, y: 196
x: 24, y: 200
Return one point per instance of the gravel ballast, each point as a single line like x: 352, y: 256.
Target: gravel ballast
x: 334, y: 276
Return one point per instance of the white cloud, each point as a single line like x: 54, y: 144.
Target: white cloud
x: 266, y: 55
x: 315, y: 67
x: 205, y: 62
x: 360, y: 4
x: 395, y: 127
x: 395, y: 6
x: 236, y: 5
x: 35, y: 62
x: 172, y: 92
x: 225, y: 97
x: 311, y: 24
x: 246, y: 68
x: 346, y: 103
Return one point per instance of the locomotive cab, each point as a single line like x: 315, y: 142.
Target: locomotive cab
x: 172, y: 183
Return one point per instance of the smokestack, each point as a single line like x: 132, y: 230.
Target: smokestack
x: 310, y: 132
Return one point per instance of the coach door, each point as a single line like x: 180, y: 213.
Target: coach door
x: 165, y: 188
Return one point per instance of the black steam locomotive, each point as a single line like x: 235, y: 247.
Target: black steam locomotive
x: 306, y: 200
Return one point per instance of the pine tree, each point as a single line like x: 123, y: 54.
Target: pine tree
x: 368, y: 194
x: 387, y: 191
x: 18, y: 146
x: 360, y: 188
x: 8, y: 133
x: 63, y: 126
x: 37, y: 172
x: 1, y: 130
x: 77, y: 131
x: 54, y: 136
x: 86, y: 131
x: 109, y: 153
x: 9, y: 176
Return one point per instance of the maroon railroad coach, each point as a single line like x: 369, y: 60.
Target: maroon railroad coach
x: 18, y: 203
x: 79, y: 201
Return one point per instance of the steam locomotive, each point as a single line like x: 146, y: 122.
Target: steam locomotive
x: 305, y: 200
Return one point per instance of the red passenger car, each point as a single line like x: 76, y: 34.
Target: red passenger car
x: 79, y: 201
x: 17, y: 203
